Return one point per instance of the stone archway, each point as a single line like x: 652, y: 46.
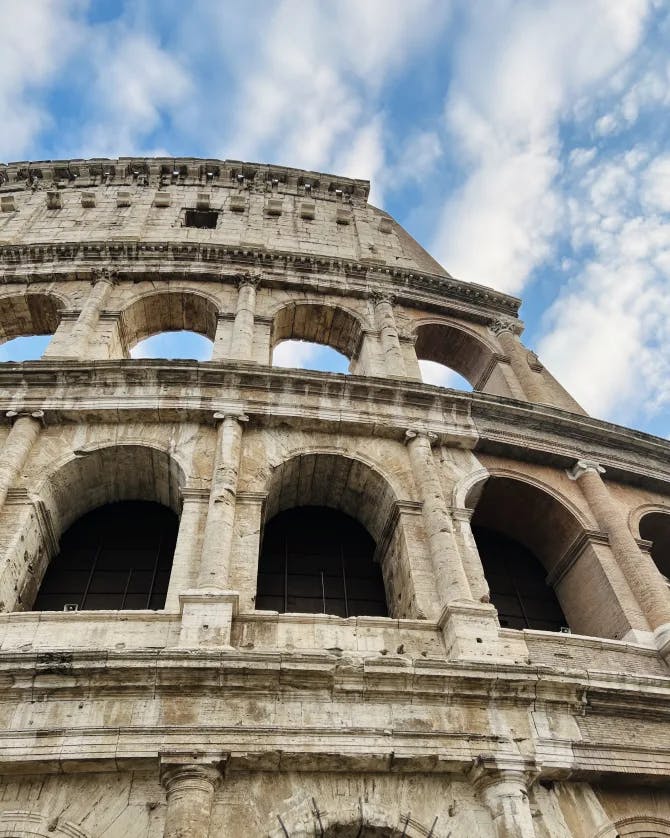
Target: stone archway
x: 460, y: 349
x: 359, y: 490
x: 329, y: 325
x: 92, y: 477
x: 28, y: 314
x: 168, y: 311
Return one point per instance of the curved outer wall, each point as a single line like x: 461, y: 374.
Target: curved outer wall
x: 212, y: 718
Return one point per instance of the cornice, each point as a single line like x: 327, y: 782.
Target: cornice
x: 130, y: 258
x: 184, y: 171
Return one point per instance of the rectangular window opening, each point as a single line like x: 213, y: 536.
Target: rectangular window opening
x: 203, y: 219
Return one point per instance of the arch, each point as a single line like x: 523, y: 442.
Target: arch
x: 330, y: 325
x: 653, y: 524
x: 639, y: 512
x: 359, y: 490
x: 29, y: 313
x: 169, y: 311
x: 363, y: 819
x: 87, y: 479
x: 455, y: 346
x: 643, y: 827
x: 528, y: 537
x: 319, y: 560
x: 336, y: 480
x: 32, y: 825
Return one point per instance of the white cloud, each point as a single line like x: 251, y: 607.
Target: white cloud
x: 504, y: 113
x: 134, y: 85
x: 607, y: 334
x: 295, y: 353
x: 37, y: 39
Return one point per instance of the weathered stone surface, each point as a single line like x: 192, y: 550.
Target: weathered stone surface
x: 211, y: 718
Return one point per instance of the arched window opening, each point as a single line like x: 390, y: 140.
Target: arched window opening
x: 317, y: 560
x: 30, y: 348
x: 351, y: 495
x: 655, y: 527
x: 523, y: 534
x: 117, y: 556
x: 443, y: 376
x: 517, y: 583
x: 455, y: 348
x: 27, y: 323
x: 174, y: 345
x: 174, y: 312
x: 301, y: 354
x: 311, y: 329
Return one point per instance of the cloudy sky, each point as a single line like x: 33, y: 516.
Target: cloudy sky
x: 525, y: 143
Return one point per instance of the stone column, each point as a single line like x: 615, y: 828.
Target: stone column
x: 642, y: 575
x: 218, y: 535
x: 529, y: 380
x: 450, y: 578
x: 84, y: 328
x: 20, y: 440
x: 188, y: 548
x: 189, y: 787
x: 223, y: 337
x: 388, y: 332
x: 243, y: 328
x: 501, y: 784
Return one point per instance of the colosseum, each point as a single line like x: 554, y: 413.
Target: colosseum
x: 258, y: 602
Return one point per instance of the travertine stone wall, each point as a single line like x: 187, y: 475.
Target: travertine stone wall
x: 211, y: 718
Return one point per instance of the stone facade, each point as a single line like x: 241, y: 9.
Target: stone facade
x: 211, y: 718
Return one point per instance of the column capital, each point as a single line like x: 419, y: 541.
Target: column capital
x: 104, y: 275
x: 13, y: 415
x: 581, y: 467
x: 222, y: 415
x: 378, y: 297
x: 504, y: 324
x: 252, y: 278
x: 175, y: 766
x: 414, y: 433
x: 493, y: 769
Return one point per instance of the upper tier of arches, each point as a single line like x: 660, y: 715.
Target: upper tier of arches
x: 242, y: 319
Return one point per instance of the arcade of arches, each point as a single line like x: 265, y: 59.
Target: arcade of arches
x: 332, y: 543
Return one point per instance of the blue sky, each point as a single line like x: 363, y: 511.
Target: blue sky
x: 525, y: 144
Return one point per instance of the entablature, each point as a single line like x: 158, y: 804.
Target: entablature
x: 162, y: 391
x: 136, y: 260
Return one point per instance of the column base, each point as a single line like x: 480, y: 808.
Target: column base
x: 207, y: 618
x: 471, y: 631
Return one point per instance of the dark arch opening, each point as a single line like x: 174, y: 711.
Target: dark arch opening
x: 116, y: 557
x: 655, y: 527
x: 522, y: 534
x: 318, y: 560
x: 517, y: 583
